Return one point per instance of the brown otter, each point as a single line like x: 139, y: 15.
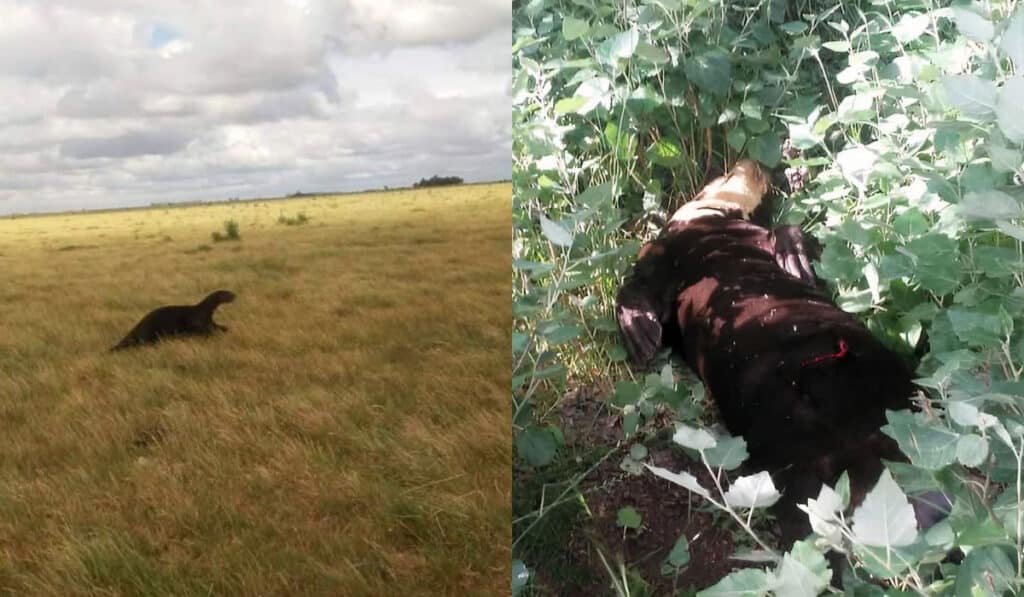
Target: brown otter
x: 178, y: 320
x: 805, y: 383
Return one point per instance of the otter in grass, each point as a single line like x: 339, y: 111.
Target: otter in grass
x: 178, y: 320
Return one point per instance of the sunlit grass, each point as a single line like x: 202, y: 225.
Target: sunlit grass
x: 348, y: 436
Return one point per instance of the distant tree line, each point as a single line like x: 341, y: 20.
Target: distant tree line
x: 437, y: 181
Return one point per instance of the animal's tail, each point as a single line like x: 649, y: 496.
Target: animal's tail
x: 123, y: 344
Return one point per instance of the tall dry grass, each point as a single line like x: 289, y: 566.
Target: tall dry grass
x: 348, y: 436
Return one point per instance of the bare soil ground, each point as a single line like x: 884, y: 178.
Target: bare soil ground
x: 574, y: 566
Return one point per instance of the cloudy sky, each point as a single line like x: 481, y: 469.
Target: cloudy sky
x: 107, y: 103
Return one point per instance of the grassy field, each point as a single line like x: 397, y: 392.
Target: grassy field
x: 348, y: 436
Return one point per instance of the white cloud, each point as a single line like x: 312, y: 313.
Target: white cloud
x: 107, y: 102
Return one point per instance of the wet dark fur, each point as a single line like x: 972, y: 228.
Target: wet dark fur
x: 743, y: 307
x: 178, y: 320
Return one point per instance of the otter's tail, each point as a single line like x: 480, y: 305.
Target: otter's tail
x: 128, y: 342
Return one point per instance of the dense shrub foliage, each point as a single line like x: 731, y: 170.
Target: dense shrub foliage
x: 906, y: 123
x: 437, y: 181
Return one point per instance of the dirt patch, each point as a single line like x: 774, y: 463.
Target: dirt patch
x: 667, y: 512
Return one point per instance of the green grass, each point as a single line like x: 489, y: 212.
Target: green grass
x: 348, y: 436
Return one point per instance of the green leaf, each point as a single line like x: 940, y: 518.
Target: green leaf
x: 910, y: 223
x: 728, y: 114
x: 856, y: 108
x: 573, y: 28
x: 839, y: 262
x: 616, y: 353
x: 766, y: 148
x: 597, y: 196
x: 887, y: 562
x: 751, y: 109
x: 597, y: 91
x: 628, y: 518
x: 727, y: 453
x: 1010, y: 109
x: 822, y: 513
x: 1005, y: 159
x: 971, y: 450
x: 710, y: 71
x: 763, y: 32
x: 927, y: 446
x: 977, y: 328
x: 626, y: 393
x: 666, y: 152
x: 667, y: 379
x: 752, y: 491
x: 803, y: 136
x: 749, y: 582
x: 1011, y: 230
x: 986, y: 571
x: 972, y: 25
x: 936, y: 259
x: 555, y: 232
x: 520, y: 577
x: 755, y: 126
x: 868, y: 57
x: 967, y: 414
x: 624, y: 144
x: 630, y: 423
x: 885, y: 518
x: 857, y: 163
x: 973, y: 96
x: 910, y: 27
x: 644, y: 100
x: 570, y: 105
x: 856, y: 234
x: 1012, y: 42
x: 854, y: 300
x: 561, y: 334
x: 536, y: 445
x: 997, y: 262
x: 682, y: 479
x: 1005, y: 509
x: 619, y: 46
x: 837, y: 46
x: 736, y: 138
x: 693, y: 438
x: 794, y: 27
x: 677, y: 558
x: 652, y: 53
x: 843, y: 489
x: 803, y: 573
x: 632, y: 466
x: 989, y: 205
x: 519, y: 342
x: 852, y: 74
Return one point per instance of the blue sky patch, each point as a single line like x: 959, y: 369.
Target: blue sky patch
x: 161, y: 35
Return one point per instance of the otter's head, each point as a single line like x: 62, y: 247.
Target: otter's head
x: 745, y: 185
x: 752, y: 175
x: 219, y: 297
x: 741, y: 189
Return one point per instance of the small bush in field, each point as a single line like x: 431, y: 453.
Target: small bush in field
x: 299, y: 219
x: 230, y: 232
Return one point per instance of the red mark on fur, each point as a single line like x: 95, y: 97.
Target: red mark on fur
x: 843, y: 349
